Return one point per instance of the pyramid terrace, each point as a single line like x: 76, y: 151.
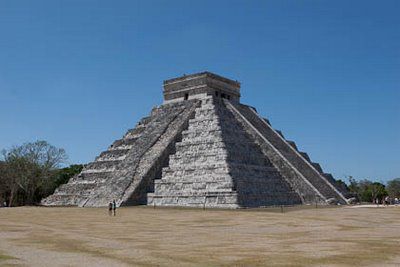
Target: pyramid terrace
x: 201, y: 148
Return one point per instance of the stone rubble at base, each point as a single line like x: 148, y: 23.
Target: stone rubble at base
x: 201, y: 148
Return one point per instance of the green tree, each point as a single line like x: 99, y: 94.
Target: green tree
x: 368, y: 191
x: 393, y: 188
x: 63, y: 175
x: 28, y: 171
x: 353, y: 185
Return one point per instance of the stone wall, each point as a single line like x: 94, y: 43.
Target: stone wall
x: 196, y: 85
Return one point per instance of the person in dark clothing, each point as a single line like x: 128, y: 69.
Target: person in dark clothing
x: 114, y: 207
x: 110, y: 208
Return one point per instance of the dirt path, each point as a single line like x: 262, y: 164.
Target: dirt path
x: 141, y: 236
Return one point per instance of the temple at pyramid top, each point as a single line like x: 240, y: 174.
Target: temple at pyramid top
x: 199, y: 85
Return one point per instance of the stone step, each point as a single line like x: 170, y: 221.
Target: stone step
x: 227, y: 127
x: 235, y: 151
x: 204, y: 117
x: 135, y: 132
x: 267, y: 121
x: 81, y: 189
x: 227, y: 140
x: 93, y: 176
x: 103, y: 170
x: 233, y: 147
x: 194, y: 158
x: 329, y: 177
x: 115, y: 154
x: 219, y: 166
x: 125, y: 143
x: 102, y: 166
x: 266, y: 186
x: 201, y: 139
x: 198, y: 194
x: 237, y: 168
x: 258, y: 183
x: 198, y: 187
x: 199, y: 151
x: 145, y: 120
x: 305, y: 156
x: 268, y: 196
x: 293, y: 144
x: 317, y: 167
x: 208, y: 133
x: 203, y: 123
x: 222, y: 200
x: 64, y: 200
x: 267, y: 179
x: 200, y: 165
x: 280, y: 133
x: 268, y: 199
x: 212, y: 173
x: 201, y: 145
x: 201, y: 178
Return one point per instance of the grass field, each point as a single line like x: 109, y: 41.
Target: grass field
x: 142, y: 236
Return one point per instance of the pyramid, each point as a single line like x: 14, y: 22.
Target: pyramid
x: 201, y: 148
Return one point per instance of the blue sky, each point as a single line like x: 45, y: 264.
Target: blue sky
x: 80, y: 73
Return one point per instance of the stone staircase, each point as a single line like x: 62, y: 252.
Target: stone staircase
x: 125, y: 171
x: 217, y: 165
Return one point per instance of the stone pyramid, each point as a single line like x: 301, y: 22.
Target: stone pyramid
x: 201, y: 148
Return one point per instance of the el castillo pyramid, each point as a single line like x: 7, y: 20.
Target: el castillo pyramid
x: 201, y: 148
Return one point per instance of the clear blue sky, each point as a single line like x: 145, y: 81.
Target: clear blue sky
x: 80, y: 73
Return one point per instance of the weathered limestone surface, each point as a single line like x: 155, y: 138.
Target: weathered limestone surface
x: 127, y: 169
x: 218, y: 165
x: 323, y: 188
x: 201, y: 148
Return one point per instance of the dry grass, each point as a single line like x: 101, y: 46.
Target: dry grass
x: 141, y: 236
x: 4, y: 257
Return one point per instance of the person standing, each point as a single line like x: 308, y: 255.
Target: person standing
x: 110, y: 208
x: 387, y: 200
x: 114, y: 207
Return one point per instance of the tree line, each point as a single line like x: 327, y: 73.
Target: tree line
x: 32, y: 171
x: 369, y: 191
